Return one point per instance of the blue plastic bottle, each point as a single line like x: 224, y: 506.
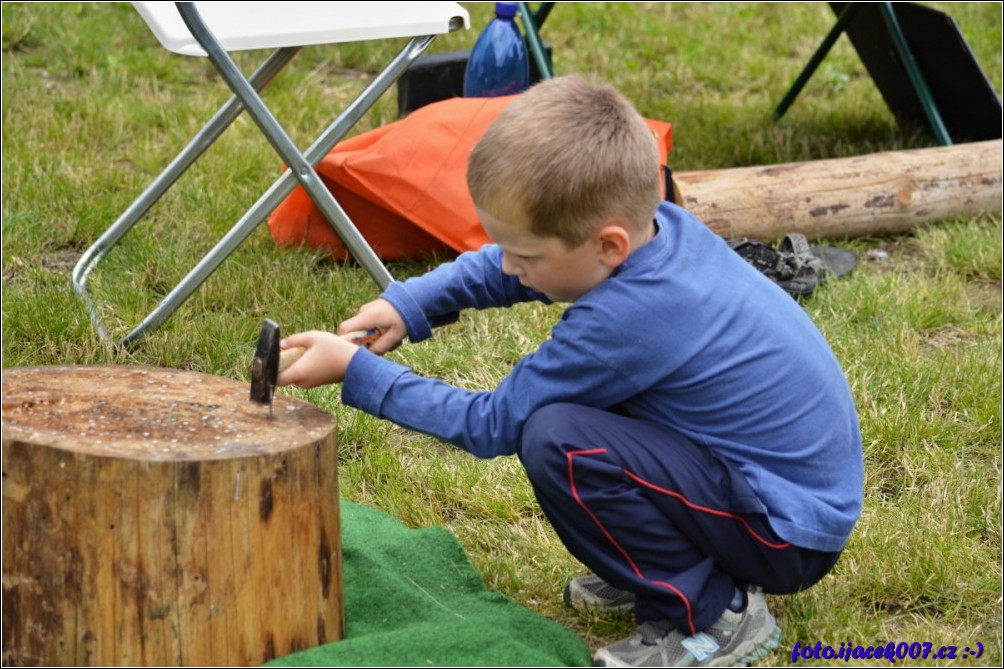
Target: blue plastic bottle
x: 498, y: 64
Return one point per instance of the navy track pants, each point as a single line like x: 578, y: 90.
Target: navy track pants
x: 651, y: 512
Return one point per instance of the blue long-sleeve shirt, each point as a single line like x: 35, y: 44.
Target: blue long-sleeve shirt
x: 683, y: 333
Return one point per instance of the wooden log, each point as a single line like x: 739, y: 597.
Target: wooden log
x: 157, y: 517
x: 871, y: 195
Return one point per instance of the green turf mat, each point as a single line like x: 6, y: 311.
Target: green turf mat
x: 412, y: 598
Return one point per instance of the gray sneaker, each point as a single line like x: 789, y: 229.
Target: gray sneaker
x: 735, y: 639
x: 592, y: 592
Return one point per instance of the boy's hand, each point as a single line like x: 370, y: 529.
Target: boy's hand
x: 325, y: 360
x: 378, y: 315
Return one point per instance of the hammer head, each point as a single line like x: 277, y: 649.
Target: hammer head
x: 265, y: 366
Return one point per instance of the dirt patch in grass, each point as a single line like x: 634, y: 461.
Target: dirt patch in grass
x: 985, y: 296
x: 11, y: 270
x: 60, y: 262
x: 900, y: 255
x: 947, y: 336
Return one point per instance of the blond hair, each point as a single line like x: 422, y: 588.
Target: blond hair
x: 565, y: 156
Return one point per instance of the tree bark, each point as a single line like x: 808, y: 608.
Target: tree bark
x: 157, y: 517
x: 871, y: 195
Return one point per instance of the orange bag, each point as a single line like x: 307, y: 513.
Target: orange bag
x: 404, y: 185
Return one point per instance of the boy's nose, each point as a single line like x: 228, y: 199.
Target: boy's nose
x: 508, y: 266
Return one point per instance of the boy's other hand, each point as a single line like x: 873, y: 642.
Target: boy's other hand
x: 325, y: 360
x: 378, y: 315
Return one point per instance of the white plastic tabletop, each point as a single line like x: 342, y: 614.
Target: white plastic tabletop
x: 259, y: 25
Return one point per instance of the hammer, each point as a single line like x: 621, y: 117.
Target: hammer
x: 269, y: 360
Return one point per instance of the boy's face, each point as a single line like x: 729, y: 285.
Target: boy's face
x: 546, y: 264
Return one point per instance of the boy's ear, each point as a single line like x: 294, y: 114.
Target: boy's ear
x: 614, y: 243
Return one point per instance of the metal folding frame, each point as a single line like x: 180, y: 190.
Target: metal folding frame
x: 532, y: 21
x: 913, y: 72
x: 301, y: 170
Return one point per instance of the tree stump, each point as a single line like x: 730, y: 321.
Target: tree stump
x: 157, y: 517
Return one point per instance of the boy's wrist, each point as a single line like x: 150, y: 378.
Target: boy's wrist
x: 411, y: 312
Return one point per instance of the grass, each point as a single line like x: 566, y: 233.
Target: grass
x: 92, y: 108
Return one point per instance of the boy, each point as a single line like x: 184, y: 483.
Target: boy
x: 686, y: 428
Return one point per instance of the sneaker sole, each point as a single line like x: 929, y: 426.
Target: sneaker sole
x: 746, y: 653
x: 581, y: 603
x: 750, y: 651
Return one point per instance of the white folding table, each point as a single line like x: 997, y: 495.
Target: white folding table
x: 215, y: 28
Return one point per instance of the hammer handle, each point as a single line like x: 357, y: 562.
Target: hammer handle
x: 290, y: 355
x: 360, y: 337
